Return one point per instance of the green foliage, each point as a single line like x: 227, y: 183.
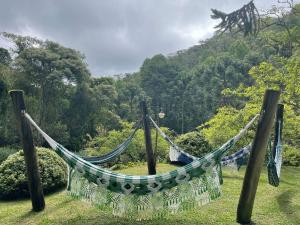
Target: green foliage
x: 72, y: 106
x: 5, y: 152
x: 291, y: 156
x: 13, y: 181
x: 60, y: 93
x: 5, y: 58
x: 129, y: 96
x: 227, y: 123
x: 7, y: 129
x: 279, y: 74
x: 194, y: 143
x: 135, y: 152
x: 187, y: 86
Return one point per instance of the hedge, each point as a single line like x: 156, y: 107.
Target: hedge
x: 13, y: 181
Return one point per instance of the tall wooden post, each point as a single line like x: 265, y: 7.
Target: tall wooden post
x: 279, y: 119
x: 257, y: 156
x: 150, y: 156
x: 33, y: 175
x: 156, y: 135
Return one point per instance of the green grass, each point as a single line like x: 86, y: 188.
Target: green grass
x: 272, y: 206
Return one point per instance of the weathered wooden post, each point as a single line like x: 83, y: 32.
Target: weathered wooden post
x: 279, y: 120
x: 150, y: 156
x: 257, y: 156
x: 33, y: 175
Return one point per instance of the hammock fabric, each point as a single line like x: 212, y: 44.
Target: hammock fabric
x: 115, y: 152
x: 275, y: 161
x: 234, y: 160
x: 144, y: 197
x: 176, y: 154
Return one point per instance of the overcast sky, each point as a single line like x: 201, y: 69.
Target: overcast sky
x: 116, y: 35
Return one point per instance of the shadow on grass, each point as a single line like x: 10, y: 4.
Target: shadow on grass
x: 251, y: 223
x: 284, y: 200
x: 25, y: 197
x: 29, y: 214
x: 288, y: 183
x: 49, y: 209
x: 233, y: 177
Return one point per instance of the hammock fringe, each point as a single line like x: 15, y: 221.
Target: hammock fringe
x: 192, y: 194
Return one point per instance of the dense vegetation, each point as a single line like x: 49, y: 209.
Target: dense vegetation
x: 105, y: 144
x: 5, y: 152
x: 13, y: 178
x: 216, y: 84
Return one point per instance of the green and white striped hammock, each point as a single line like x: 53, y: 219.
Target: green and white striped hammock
x: 145, y: 197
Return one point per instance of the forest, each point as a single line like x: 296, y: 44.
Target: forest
x: 207, y: 91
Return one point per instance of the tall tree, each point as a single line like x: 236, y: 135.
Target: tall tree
x: 47, y: 72
x: 245, y: 19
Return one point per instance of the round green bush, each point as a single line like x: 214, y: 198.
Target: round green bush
x: 13, y: 180
x: 194, y: 143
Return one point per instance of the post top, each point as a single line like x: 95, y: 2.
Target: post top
x: 18, y: 99
x: 15, y: 91
x: 273, y: 91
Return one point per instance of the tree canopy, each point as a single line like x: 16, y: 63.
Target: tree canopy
x: 213, y: 87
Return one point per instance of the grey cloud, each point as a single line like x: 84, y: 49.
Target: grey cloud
x: 116, y: 35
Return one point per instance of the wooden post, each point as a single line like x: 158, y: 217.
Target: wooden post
x: 34, y: 181
x: 279, y: 117
x: 150, y: 156
x: 257, y: 156
x: 156, y: 135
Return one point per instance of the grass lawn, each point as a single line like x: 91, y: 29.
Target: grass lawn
x: 272, y: 206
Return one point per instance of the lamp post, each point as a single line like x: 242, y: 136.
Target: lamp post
x: 161, y: 115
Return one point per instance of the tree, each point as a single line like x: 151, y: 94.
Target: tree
x: 5, y: 58
x: 194, y: 143
x: 285, y: 23
x: 47, y: 72
x: 282, y: 18
x: 245, y: 19
x: 279, y: 74
x: 7, y: 128
x: 130, y: 94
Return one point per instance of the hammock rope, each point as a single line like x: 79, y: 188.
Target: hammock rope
x: 144, y: 182
x: 237, y: 157
x: 144, y: 197
x: 177, y: 154
x: 115, y: 152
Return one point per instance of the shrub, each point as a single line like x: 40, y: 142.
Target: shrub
x: 291, y: 156
x: 136, y: 152
x: 194, y: 143
x: 13, y: 181
x: 5, y: 152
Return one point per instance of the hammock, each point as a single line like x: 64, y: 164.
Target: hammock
x: 238, y: 158
x: 177, y: 154
x: 145, y: 197
x: 115, y: 152
x: 275, y: 159
x: 235, y: 160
